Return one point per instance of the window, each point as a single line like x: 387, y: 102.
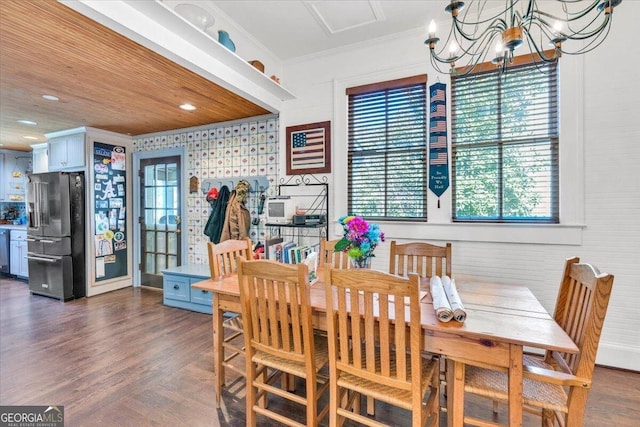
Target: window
x: 504, y: 145
x: 387, y: 150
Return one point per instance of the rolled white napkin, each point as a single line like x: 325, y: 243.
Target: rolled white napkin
x: 440, y: 302
x: 450, y: 290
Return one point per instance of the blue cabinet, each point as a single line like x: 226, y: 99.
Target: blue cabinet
x: 177, y: 291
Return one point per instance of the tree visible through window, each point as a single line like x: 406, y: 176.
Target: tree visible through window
x: 387, y: 149
x: 505, y: 145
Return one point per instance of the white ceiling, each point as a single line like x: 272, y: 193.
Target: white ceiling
x: 295, y: 28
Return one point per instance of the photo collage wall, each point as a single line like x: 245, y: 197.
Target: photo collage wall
x: 109, y: 173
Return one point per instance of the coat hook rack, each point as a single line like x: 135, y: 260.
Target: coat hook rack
x: 257, y: 184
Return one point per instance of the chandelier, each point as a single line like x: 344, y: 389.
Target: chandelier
x: 482, y: 33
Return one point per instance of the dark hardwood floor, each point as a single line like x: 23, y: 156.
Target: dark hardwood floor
x: 124, y: 359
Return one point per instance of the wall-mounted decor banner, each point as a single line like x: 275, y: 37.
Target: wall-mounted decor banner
x: 438, y: 157
x: 309, y: 148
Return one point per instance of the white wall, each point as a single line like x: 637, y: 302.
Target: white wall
x: 600, y: 134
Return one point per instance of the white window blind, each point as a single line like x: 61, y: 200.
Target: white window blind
x: 387, y: 150
x: 504, y: 145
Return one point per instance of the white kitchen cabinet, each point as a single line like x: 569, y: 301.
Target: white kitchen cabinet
x: 19, y: 264
x: 66, y: 152
x: 14, y: 166
x: 40, y: 162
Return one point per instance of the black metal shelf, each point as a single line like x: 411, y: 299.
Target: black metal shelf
x: 313, y: 192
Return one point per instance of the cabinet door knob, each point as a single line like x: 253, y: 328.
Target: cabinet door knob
x: 176, y: 287
x: 204, y: 292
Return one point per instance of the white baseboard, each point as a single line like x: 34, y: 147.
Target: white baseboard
x: 617, y: 356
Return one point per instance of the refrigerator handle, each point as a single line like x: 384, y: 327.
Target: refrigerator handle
x: 37, y: 258
x: 43, y: 203
x: 35, y: 217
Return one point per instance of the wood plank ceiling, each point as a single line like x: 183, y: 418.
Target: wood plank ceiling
x: 103, y: 79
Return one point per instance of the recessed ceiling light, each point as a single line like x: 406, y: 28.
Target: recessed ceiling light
x: 30, y: 137
x: 28, y: 122
x: 188, y: 107
x: 50, y: 97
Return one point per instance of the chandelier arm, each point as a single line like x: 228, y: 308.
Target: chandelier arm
x: 581, y: 34
x: 594, y: 43
x: 573, y: 16
x: 464, y: 20
x: 533, y: 46
x: 497, y: 24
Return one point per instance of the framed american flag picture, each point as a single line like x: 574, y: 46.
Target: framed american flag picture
x: 309, y: 148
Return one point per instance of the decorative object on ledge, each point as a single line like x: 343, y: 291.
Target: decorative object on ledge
x: 475, y: 32
x: 225, y: 40
x: 258, y: 65
x: 359, y: 241
x: 309, y: 148
x: 195, y: 15
x: 193, y: 184
x: 275, y: 78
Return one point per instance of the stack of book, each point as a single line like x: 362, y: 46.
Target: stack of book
x: 289, y: 252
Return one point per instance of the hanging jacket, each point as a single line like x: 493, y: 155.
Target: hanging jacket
x: 213, y: 229
x: 238, y: 218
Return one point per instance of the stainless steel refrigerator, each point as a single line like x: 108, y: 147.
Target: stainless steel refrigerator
x: 55, y: 234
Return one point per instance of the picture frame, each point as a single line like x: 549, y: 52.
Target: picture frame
x: 309, y: 148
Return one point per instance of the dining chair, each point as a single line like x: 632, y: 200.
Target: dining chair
x: 329, y: 255
x: 426, y: 260
x: 375, y: 346
x: 422, y: 258
x: 280, y: 340
x: 222, y: 261
x: 556, y: 386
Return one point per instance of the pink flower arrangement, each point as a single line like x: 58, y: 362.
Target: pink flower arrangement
x: 360, y: 238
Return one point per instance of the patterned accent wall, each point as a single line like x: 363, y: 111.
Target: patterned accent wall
x: 217, y: 152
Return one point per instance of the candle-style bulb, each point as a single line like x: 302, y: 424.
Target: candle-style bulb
x: 432, y: 29
x: 557, y: 27
x: 453, y: 49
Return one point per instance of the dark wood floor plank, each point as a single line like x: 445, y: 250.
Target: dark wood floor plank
x: 124, y: 359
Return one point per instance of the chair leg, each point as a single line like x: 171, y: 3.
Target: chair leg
x: 251, y: 395
x: 312, y: 402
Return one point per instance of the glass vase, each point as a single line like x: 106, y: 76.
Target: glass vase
x: 361, y: 262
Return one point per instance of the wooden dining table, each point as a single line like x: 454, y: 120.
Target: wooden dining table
x: 501, y: 321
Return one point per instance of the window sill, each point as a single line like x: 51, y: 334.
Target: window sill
x: 547, y: 234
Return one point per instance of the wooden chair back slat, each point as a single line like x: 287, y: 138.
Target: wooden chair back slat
x: 222, y: 256
x: 580, y: 310
x: 329, y: 256
x: 421, y: 258
x: 277, y: 297
x: 372, y: 312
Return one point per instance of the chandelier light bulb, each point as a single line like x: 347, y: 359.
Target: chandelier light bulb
x: 557, y: 27
x: 453, y: 49
x: 499, y: 49
x: 432, y: 29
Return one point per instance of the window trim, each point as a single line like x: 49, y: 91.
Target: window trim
x: 525, y: 65
x: 439, y: 225
x: 364, y: 94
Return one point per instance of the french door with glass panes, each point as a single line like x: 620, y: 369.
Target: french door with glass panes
x: 160, y: 222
